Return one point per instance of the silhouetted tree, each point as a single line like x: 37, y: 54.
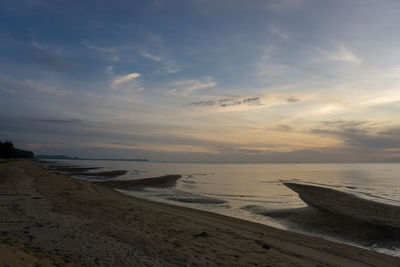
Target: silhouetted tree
x: 19, y: 153
x: 7, y: 150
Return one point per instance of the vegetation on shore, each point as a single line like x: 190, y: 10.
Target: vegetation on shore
x: 7, y: 150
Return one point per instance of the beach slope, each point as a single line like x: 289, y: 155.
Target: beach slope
x: 85, y: 223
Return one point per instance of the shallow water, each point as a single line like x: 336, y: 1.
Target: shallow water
x: 248, y: 190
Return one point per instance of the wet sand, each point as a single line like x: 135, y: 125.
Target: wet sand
x: 66, y: 221
x: 348, y: 205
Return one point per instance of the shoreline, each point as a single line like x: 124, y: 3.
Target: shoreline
x: 138, y: 231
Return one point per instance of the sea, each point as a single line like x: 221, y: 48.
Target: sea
x: 254, y: 191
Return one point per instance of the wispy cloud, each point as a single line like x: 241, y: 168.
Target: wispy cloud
x: 28, y: 87
x: 49, y: 59
x: 38, y: 45
x: 264, y: 100
x: 58, y: 121
x: 188, y: 87
x: 271, y: 70
x: 273, y: 29
x: 341, y: 54
x: 109, y: 70
x: 99, y: 48
x: 124, y: 79
x: 361, y: 134
x: 282, y: 5
x: 283, y: 128
x: 227, y: 102
x: 168, y: 68
x: 146, y: 54
x: 202, y: 103
x: 46, y: 47
x: 292, y: 99
x: 158, y: 51
x: 268, y: 66
x: 268, y: 52
x: 346, y: 124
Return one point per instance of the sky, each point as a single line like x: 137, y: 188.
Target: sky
x: 202, y: 80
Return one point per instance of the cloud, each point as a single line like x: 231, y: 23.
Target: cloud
x: 227, y: 102
x: 114, y: 58
x: 268, y: 99
x: 283, y: 128
x: 157, y: 51
x: 292, y: 100
x: 46, y: 47
x: 99, y: 48
x: 252, y: 101
x: 341, y: 54
x: 230, y: 102
x: 267, y: 52
x: 58, y: 121
x: 109, y: 70
x: 275, y: 30
x: 345, y: 124
x: 269, y: 70
x: 270, y: 66
x: 203, y: 103
x: 122, y: 79
x: 150, y: 56
x: 38, y: 45
x: 44, y: 58
x: 282, y: 5
x: 169, y: 68
x: 188, y: 87
x: 360, y: 134
x: 28, y: 87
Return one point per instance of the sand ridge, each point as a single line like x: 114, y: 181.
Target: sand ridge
x: 348, y: 205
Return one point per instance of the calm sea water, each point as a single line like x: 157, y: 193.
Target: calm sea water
x: 230, y: 189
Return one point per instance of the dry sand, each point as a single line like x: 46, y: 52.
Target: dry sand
x: 55, y: 219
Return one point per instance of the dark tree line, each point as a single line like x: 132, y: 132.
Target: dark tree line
x: 7, y: 150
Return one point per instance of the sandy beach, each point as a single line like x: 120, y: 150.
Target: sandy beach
x: 52, y: 219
